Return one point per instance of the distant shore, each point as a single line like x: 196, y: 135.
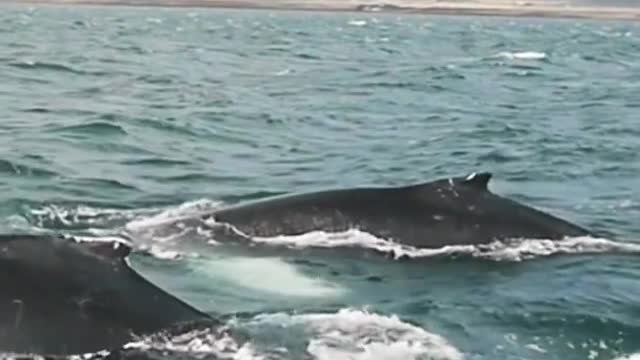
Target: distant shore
x: 532, y: 8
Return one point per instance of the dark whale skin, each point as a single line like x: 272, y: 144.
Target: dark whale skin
x: 453, y: 211
x: 59, y: 296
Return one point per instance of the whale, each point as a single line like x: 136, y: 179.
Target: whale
x: 458, y: 210
x: 61, y: 296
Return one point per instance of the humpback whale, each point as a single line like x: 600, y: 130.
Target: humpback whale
x: 60, y: 296
x: 448, y: 211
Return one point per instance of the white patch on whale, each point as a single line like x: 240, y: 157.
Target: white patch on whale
x: 271, y: 275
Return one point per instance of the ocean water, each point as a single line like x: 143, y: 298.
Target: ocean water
x: 129, y: 122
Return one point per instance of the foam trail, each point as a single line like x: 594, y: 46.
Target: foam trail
x: 514, y: 250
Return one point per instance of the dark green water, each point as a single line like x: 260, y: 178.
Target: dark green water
x: 128, y: 122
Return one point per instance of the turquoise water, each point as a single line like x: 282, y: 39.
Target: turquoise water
x: 128, y: 122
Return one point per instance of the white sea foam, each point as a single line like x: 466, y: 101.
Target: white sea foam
x: 85, y: 216
x: 635, y: 356
x: 112, y: 239
x: 524, y: 55
x: 357, y: 22
x: 186, y: 210
x: 515, y: 250
x: 358, y: 335
x: 115, y: 219
x: 202, y: 341
x: 348, y: 334
x: 536, y: 347
x: 158, y: 231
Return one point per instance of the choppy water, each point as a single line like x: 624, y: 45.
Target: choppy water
x: 126, y: 122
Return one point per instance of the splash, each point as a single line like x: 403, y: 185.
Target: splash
x: 83, y: 217
x: 150, y: 227
x: 355, y: 334
x: 87, y: 217
x: 185, y: 211
x: 172, y: 228
x: 208, y: 342
x: 347, y: 334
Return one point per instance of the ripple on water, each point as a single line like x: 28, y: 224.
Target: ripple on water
x: 95, y: 128
x: 11, y: 168
x: 37, y: 66
x: 156, y: 162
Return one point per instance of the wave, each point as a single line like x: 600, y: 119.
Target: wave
x: 185, y: 211
x: 346, y: 334
x: 13, y: 168
x: 357, y: 334
x: 159, y: 231
x: 104, y: 183
x: 514, y: 250
x: 93, y: 128
x: 40, y: 65
x: 58, y: 217
x: 156, y: 161
x: 218, y: 343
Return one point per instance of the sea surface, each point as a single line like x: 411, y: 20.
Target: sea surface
x: 129, y: 122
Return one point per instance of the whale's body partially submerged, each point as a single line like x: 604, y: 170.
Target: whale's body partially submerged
x: 59, y: 296
x: 453, y: 211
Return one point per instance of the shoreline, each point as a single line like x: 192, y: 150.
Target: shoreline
x: 539, y: 9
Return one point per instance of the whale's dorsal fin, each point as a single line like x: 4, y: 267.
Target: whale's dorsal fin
x: 479, y: 181
x: 474, y: 181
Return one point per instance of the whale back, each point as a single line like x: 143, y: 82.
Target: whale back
x: 447, y: 211
x: 468, y: 199
x: 60, y: 296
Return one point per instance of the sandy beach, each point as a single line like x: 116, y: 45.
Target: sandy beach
x: 531, y: 8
